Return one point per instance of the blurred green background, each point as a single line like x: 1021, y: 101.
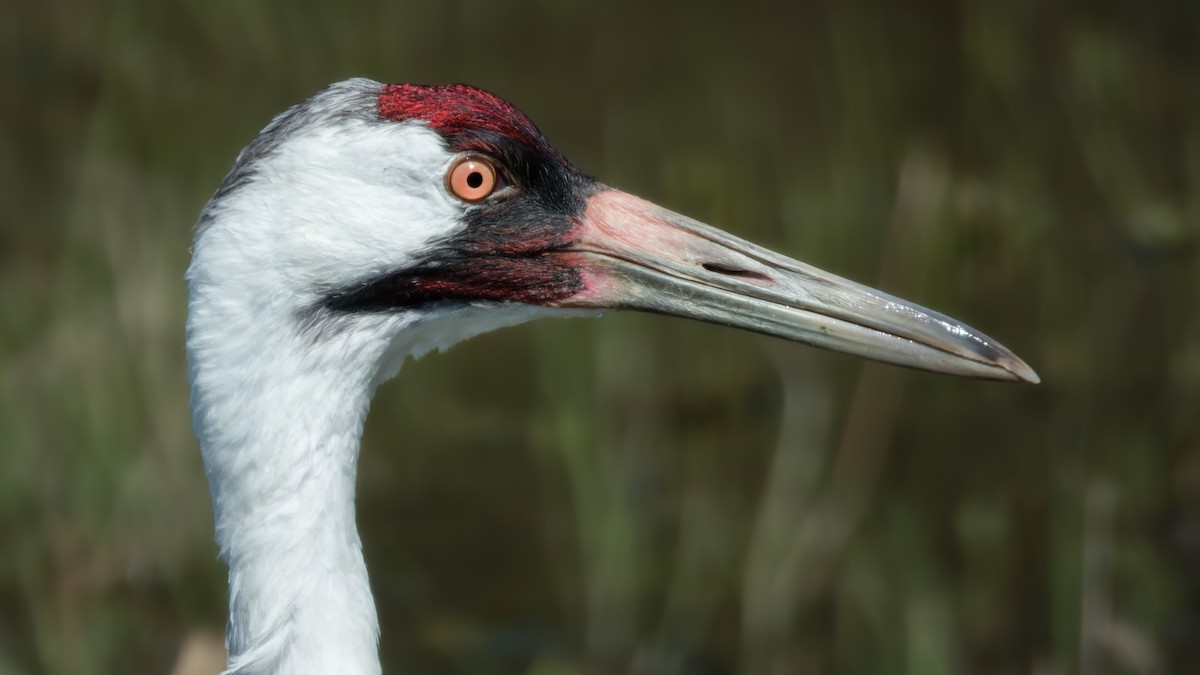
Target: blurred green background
x: 639, y: 494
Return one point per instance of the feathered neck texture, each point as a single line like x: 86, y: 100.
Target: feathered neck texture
x: 279, y: 416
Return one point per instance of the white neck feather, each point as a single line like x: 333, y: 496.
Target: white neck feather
x: 279, y: 416
x: 279, y: 423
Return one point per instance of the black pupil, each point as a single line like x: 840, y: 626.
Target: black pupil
x: 474, y: 179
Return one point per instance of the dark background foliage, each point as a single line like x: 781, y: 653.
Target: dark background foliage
x: 640, y: 494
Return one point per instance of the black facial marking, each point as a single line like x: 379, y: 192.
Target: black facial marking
x: 500, y: 255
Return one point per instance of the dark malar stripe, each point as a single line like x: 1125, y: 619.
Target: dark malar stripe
x: 530, y: 281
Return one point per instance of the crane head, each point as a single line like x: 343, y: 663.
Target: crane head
x: 441, y: 211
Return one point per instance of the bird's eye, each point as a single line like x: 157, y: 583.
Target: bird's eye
x: 472, y: 179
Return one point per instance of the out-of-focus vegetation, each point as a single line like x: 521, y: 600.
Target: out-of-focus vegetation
x: 640, y: 494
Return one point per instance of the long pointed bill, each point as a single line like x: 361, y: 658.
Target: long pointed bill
x: 636, y: 255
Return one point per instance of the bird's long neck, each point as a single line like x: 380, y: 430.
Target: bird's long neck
x: 279, y: 417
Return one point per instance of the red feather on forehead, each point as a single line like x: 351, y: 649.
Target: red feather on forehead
x: 456, y: 108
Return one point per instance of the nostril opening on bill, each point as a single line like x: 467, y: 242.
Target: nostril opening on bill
x: 734, y: 272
